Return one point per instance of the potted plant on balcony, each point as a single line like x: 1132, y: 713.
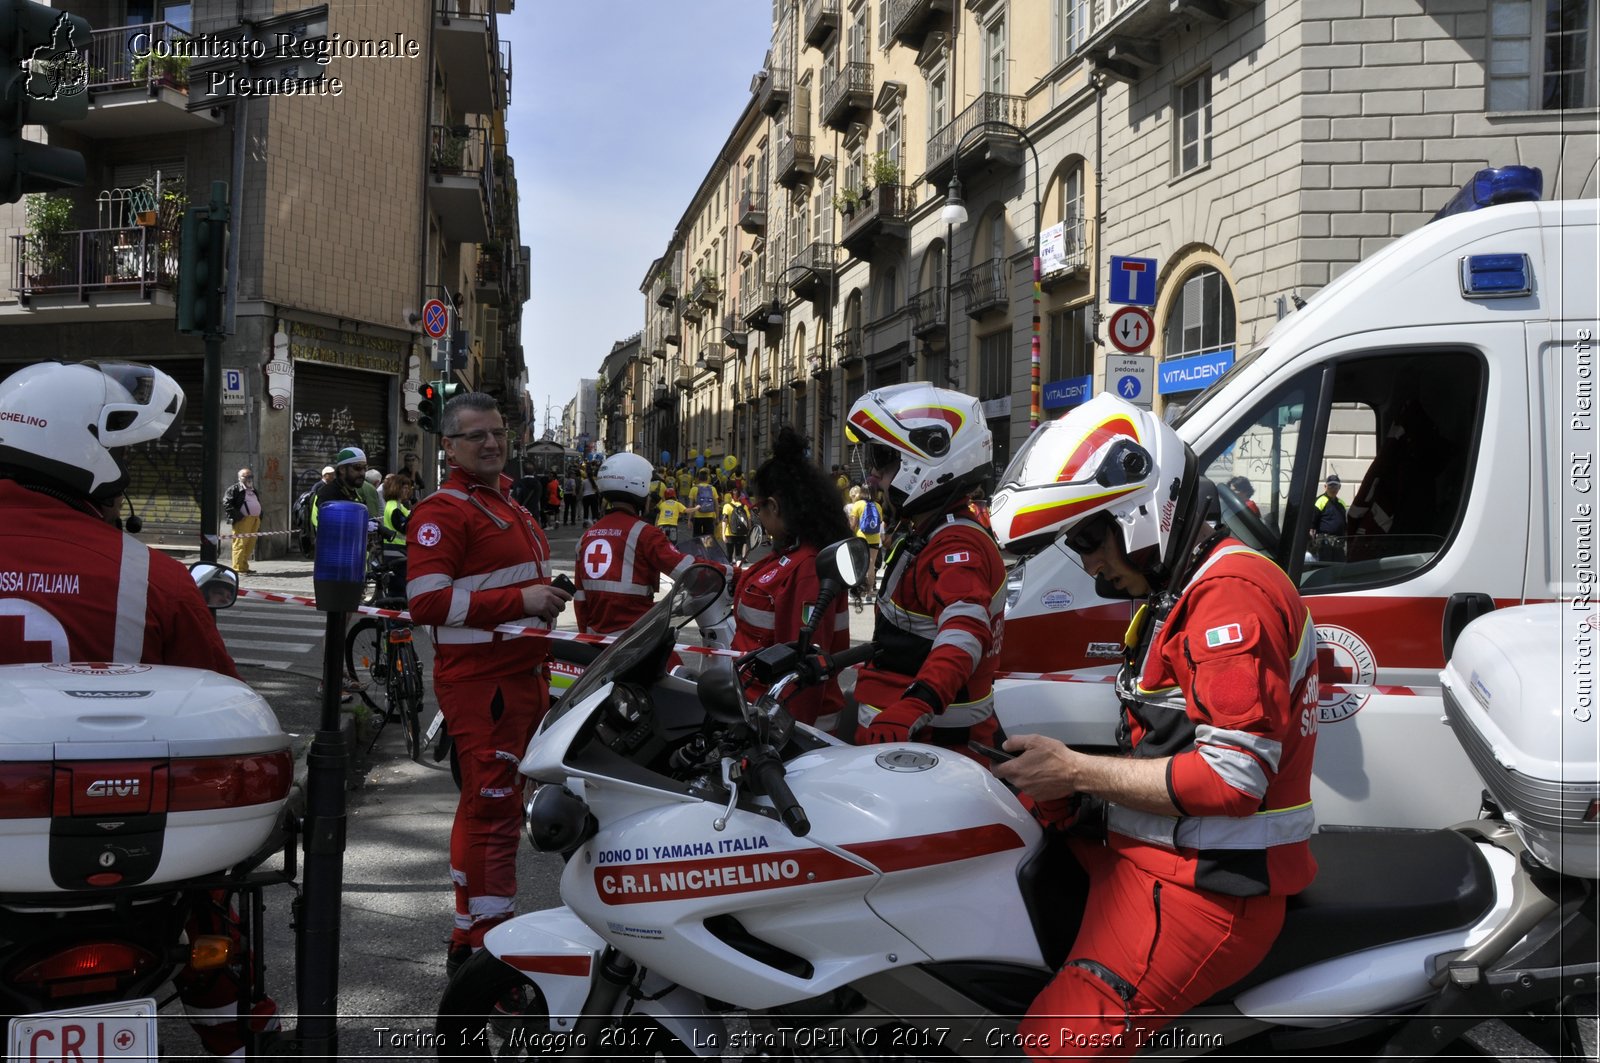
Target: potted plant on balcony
x: 49, y: 216
x: 450, y: 149
x: 171, y: 71
x: 847, y: 201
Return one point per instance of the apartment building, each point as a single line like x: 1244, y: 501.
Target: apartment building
x: 381, y: 182
x: 1254, y: 149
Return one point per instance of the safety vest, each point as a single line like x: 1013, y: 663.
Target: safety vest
x: 1165, y: 715
x: 391, y: 535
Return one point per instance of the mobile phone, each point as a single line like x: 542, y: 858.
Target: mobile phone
x: 995, y: 755
x: 564, y: 582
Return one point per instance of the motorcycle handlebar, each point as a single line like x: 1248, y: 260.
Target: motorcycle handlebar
x: 861, y: 654
x: 769, y: 776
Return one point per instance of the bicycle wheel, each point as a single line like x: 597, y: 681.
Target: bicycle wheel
x: 366, y: 658
x: 407, y: 696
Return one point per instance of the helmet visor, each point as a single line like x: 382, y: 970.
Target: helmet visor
x: 135, y: 396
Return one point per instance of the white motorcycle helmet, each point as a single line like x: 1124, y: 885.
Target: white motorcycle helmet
x: 1106, y: 462
x: 60, y: 423
x: 943, y: 441
x: 625, y: 478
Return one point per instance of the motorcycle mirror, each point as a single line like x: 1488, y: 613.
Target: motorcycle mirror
x: 696, y: 590
x: 721, y: 692
x: 844, y: 562
x: 218, y: 584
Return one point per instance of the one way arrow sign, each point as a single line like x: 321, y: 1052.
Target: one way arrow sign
x: 1131, y: 329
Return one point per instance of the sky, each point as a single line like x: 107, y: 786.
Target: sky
x: 617, y: 109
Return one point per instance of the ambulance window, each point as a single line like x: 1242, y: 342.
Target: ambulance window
x: 1401, y: 438
x: 1253, y: 468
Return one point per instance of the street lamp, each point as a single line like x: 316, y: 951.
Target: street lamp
x: 955, y: 213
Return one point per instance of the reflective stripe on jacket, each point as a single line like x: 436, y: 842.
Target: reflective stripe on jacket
x: 1225, y: 684
x: 770, y: 603
x: 620, y: 562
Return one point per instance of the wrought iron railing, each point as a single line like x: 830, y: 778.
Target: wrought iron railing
x: 990, y: 107
x: 82, y: 261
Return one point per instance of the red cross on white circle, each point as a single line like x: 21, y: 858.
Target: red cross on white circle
x: 597, y: 559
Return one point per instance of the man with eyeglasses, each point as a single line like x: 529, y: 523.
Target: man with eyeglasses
x: 243, y: 508
x: 1194, y: 836
x: 349, y: 474
x: 476, y: 559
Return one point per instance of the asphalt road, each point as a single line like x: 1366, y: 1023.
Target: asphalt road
x: 397, y: 904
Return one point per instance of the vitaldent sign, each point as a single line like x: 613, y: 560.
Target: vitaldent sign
x: 1193, y: 374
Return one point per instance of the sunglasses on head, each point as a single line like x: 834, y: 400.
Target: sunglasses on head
x: 1088, y: 536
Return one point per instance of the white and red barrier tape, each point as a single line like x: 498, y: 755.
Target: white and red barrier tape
x: 527, y: 630
x: 243, y: 535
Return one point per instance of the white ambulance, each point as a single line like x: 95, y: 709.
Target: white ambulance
x: 1449, y: 381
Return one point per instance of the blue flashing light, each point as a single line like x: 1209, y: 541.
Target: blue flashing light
x: 340, y: 566
x: 1496, y: 276
x: 1495, y: 185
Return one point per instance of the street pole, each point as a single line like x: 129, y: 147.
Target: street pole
x: 211, y: 382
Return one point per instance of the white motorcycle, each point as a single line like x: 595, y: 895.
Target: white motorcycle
x: 737, y: 882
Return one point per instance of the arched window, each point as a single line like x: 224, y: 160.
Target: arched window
x: 1202, y: 318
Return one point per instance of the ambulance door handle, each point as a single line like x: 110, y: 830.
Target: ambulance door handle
x: 1460, y: 610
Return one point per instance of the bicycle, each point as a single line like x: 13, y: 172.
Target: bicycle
x: 379, y: 652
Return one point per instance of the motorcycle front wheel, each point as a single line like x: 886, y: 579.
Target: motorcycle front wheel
x: 490, y: 1011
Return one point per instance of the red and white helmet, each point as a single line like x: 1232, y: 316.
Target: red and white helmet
x: 625, y: 478
x: 944, y: 444
x: 1107, y: 456
x: 61, y: 422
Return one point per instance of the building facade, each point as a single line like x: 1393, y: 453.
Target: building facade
x: 382, y: 182
x: 1248, y: 151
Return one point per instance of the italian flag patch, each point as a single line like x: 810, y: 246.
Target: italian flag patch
x: 1226, y: 635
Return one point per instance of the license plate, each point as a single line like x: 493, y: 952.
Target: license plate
x: 123, y: 1030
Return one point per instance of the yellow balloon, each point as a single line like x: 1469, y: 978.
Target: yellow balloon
x: 693, y: 454
x: 730, y: 463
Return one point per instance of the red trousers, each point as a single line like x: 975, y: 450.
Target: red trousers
x: 1169, y: 946
x: 490, y: 723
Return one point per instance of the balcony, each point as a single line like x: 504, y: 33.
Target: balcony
x: 461, y: 183
x: 733, y: 332
x: 883, y: 215
x: 987, y: 287
x: 656, y: 348
x: 768, y: 384
x: 755, y: 306
x: 773, y: 95
x: 705, y: 292
x: 846, y: 94
x: 817, y: 361
x: 821, y: 21
x: 810, y: 273
x: 491, y: 276
x: 673, y: 331
x: 1065, y: 257
x: 663, y: 397
x: 466, y: 47
x: 81, y: 270
x: 979, y: 142
x: 684, y: 379
x: 847, y: 350
x: 910, y: 21
x: 691, y: 311
x: 664, y: 293
x: 133, y: 96
x: 753, y: 212
x: 710, y: 360
x: 928, y: 316
x: 796, y: 163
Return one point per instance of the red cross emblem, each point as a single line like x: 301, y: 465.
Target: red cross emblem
x: 597, y: 559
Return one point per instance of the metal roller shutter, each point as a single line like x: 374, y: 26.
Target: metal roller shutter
x: 336, y: 408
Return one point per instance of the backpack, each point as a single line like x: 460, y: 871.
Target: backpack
x: 871, y: 520
x: 300, y: 516
x: 706, y: 500
x: 738, y: 522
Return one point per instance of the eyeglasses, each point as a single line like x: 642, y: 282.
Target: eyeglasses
x: 1088, y: 537
x: 481, y: 436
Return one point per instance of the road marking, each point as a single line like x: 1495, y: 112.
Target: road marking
x: 285, y: 647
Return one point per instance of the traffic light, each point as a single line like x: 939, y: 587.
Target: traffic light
x: 429, y: 407
x: 448, y: 389
x: 43, y: 80
x: 203, y: 265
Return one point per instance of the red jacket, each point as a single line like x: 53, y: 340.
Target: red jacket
x: 1228, y: 689
x: 73, y: 588
x: 770, y: 602
x: 469, y: 552
x: 940, y: 616
x: 620, y: 561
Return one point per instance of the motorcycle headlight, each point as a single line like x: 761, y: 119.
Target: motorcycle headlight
x: 558, y: 820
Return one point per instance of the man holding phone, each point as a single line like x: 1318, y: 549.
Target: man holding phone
x: 476, y: 559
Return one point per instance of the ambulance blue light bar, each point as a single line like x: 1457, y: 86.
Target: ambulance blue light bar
x: 1495, y: 185
x: 1496, y: 276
